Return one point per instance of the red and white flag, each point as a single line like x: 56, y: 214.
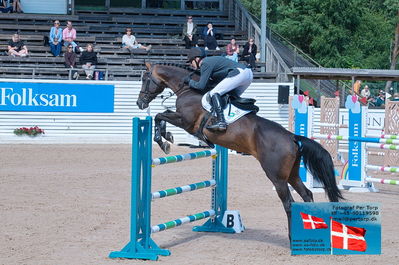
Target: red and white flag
x: 313, y: 222
x: 347, y: 237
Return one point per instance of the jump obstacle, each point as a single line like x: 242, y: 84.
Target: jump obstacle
x: 354, y: 175
x: 141, y: 245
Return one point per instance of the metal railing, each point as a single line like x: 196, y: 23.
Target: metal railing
x: 245, y: 22
x: 249, y: 23
x: 36, y: 72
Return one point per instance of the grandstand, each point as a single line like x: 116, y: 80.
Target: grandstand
x: 159, y: 27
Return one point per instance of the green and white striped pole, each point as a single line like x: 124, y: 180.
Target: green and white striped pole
x: 183, y: 220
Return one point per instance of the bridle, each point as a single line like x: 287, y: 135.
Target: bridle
x: 148, y: 96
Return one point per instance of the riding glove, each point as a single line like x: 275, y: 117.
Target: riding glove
x: 186, y: 80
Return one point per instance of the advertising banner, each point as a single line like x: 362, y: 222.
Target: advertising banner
x: 333, y: 228
x: 54, y: 97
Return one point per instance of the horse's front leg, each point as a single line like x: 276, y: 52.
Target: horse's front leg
x: 160, y: 119
x: 165, y: 134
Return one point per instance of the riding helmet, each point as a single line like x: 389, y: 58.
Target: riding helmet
x: 194, y: 53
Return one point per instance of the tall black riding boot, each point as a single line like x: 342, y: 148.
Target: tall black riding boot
x: 220, y: 124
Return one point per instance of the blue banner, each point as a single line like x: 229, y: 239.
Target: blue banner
x: 301, y: 128
x: 355, y: 154
x: 49, y: 97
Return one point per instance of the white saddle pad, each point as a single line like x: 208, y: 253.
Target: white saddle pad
x: 231, y: 112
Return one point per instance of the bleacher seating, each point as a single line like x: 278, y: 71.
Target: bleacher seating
x: 160, y: 28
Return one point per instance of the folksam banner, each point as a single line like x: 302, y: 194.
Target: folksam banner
x: 53, y: 97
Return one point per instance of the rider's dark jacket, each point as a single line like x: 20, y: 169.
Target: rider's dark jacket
x: 215, y: 69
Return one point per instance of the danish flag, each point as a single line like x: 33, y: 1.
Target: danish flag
x: 313, y: 222
x: 347, y: 237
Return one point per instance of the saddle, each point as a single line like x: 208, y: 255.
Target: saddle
x: 234, y: 107
x: 246, y: 104
x: 242, y: 103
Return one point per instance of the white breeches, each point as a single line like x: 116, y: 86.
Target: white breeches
x: 238, y: 83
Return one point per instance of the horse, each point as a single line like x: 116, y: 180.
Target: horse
x: 278, y: 150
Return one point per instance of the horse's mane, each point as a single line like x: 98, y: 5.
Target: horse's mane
x: 182, y: 66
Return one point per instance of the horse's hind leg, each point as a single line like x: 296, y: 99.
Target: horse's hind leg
x: 286, y: 198
x: 295, y: 181
x: 279, y: 177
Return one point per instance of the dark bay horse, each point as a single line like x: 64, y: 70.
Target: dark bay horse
x: 278, y: 150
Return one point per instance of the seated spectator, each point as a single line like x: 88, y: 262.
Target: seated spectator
x: 232, y: 50
x: 55, y: 39
x: 189, y: 33
x: 16, y: 6
x: 5, y: 6
x: 130, y: 43
x: 8, y: 6
x: 380, y: 100
x: 395, y: 97
x: 70, y: 61
x: 249, y: 53
x: 69, y: 36
x: 365, y: 92
x: 88, y: 59
x: 16, y: 47
x: 209, y: 34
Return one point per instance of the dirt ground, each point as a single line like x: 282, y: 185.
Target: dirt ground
x: 69, y: 204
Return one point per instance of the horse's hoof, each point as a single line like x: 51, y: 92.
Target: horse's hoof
x: 169, y: 137
x: 165, y: 148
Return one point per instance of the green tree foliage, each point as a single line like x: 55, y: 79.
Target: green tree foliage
x: 336, y: 33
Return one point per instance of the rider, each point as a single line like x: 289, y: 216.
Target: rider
x: 227, y: 74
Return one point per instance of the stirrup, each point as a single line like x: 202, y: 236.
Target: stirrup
x: 218, y: 126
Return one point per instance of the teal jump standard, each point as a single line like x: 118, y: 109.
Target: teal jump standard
x: 141, y: 245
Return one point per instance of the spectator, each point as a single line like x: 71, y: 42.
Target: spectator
x: 365, y: 92
x: 232, y: 50
x: 55, y: 39
x: 395, y: 97
x: 8, y: 6
x: 356, y: 87
x: 380, y: 100
x: 88, y: 59
x: 16, y: 47
x: 69, y: 36
x: 249, y: 53
x: 5, y: 6
x: 70, y: 61
x: 209, y: 34
x: 16, y: 6
x: 130, y: 43
x: 189, y: 33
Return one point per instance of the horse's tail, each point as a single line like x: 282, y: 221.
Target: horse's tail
x: 319, y: 162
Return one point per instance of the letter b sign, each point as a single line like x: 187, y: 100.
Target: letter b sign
x: 232, y: 219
